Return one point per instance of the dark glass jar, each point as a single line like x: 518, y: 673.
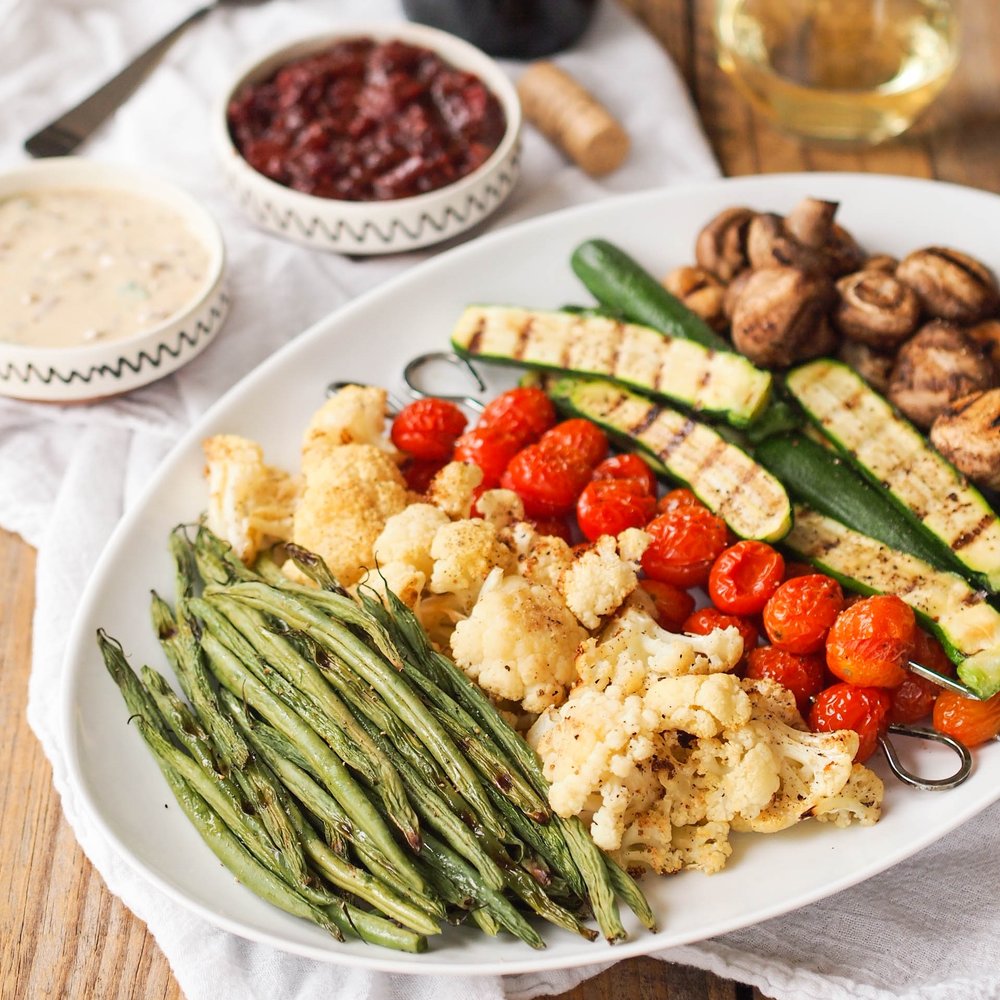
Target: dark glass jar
x: 516, y: 29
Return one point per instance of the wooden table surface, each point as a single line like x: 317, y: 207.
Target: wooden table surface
x: 62, y: 933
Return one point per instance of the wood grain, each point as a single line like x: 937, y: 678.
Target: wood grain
x: 63, y: 935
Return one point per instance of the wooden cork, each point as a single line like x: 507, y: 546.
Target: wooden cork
x: 572, y: 118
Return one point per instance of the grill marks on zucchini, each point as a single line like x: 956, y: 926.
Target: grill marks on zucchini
x: 892, y: 454
x: 679, y: 370
x: 961, y: 617
x: 724, y: 477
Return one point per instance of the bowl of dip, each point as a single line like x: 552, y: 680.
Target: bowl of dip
x: 110, y: 278
x: 370, y: 140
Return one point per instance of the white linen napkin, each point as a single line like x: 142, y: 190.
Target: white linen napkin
x: 68, y: 473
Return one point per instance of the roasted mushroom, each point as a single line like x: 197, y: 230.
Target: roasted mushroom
x: 807, y: 239
x: 987, y: 336
x: 967, y: 433
x: 872, y: 366
x: 721, y: 246
x: 778, y: 311
x: 875, y: 308
x: 950, y: 285
x: 938, y: 365
x: 700, y: 291
x: 823, y: 341
x: 733, y: 291
x: 880, y: 262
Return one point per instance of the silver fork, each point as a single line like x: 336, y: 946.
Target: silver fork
x: 61, y: 136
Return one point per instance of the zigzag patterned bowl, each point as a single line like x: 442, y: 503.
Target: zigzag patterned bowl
x: 80, y: 374
x: 376, y: 227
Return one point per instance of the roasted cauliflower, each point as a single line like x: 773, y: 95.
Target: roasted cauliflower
x: 519, y: 642
x: 250, y: 504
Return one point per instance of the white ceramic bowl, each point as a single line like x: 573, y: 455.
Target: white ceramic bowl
x: 377, y: 227
x: 77, y: 374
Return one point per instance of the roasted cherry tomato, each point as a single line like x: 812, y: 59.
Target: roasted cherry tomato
x: 802, y: 675
x: 546, y: 480
x: 744, y: 577
x: 609, y: 506
x: 673, y: 604
x: 628, y: 466
x: 686, y: 541
x: 706, y: 620
x: 970, y: 721
x: 871, y: 641
x: 844, y: 706
x: 578, y: 439
x: 428, y: 428
x: 915, y: 697
x: 491, y: 448
x: 794, y: 569
x: 679, y: 497
x: 418, y: 472
x: 557, y: 527
x: 801, y: 611
x: 524, y: 413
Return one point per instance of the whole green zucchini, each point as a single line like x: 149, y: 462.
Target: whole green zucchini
x: 619, y: 283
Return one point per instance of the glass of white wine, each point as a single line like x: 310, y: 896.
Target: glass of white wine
x: 846, y: 70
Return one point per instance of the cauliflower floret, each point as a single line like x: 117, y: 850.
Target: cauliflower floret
x: 700, y: 704
x: 598, y: 581
x: 347, y: 498
x: 453, y: 487
x: 653, y: 842
x: 540, y: 558
x: 519, y: 642
x: 811, y: 766
x: 353, y: 415
x: 250, y: 503
x: 592, y: 748
x: 859, y: 800
x: 633, y: 646
x: 502, y: 508
x: 407, y: 537
x: 465, y: 553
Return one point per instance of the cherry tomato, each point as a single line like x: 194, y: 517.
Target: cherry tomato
x: 578, y: 439
x: 973, y: 722
x: 802, y: 675
x: 609, y: 506
x: 628, y: 466
x: 686, y: 541
x: 744, y: 577
x: 557, y: 527
x: 428, y: 428
x: 914, y: 699
x: 491, y: 448
x: 800, y: 612
x: 418, y: 472
x: 708, y: 619
x: 870, y: 642
x: 547, y: 481
x: 679, y: 497
x: 673, y: 604
x: 524, y: 413
x: 844, y: 706
x: 793, y: 569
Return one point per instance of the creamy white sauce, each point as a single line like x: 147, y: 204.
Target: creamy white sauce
x: 81, y: 266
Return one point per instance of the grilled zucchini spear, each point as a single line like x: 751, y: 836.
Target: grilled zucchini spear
x: 674, y: 369
x: 893, y: 455
x: 967, y: 625
x: 724, y: 477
